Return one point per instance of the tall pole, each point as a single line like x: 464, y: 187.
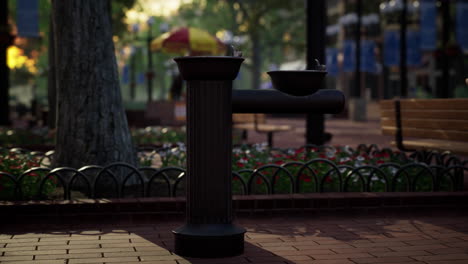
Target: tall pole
x: 5, y: 41
x: 133, y: 64
x: 357, y: 78
x: 403, y: 66
x: 443, y: 90
x: 316, y: 22
x: 150, y: 74
x: 357, y: 104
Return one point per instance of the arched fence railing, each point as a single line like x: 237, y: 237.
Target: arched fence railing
x: 421, y: 171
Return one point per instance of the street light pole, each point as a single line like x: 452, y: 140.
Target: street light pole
x: 132, y: 65
x: 316, y: 11
x: 403, y: 65
x: 357, y: 80
x: 150, y: 73
x: 443, y: 89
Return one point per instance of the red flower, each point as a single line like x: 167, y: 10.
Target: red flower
x: 328, y: 179
x: 13, y: 167
x: 299, y: 150
x: 259, y: 180
x: 32, y: 164
x: 279, y: 162
x: 235, y: 178
x: 305, y: 178
x: 240, y: 164
x: 380, y: 161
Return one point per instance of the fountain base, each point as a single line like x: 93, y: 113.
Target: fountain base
x: 209, y: 240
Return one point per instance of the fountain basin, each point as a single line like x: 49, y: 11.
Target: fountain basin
x: 297, y: 83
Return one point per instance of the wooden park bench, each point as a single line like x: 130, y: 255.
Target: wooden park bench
x: 257, y: 123
x: 430, y: 124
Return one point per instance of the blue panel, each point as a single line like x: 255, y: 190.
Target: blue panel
x: 462, y: 25
x: 332, y: 61
x: 391, y: 48
x: 413, y: 51
x: 141, y: 78
x: 428, y: 22
x: 125, y: 74
x: 27, y: 18
x: 349, y: 56
x: 368, y: 62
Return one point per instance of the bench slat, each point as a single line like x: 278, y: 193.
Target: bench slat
x: 459, y: 125
x: 386, y: 104
x: 433, y: 104
x: 428, y: 114
x: 423, y: 133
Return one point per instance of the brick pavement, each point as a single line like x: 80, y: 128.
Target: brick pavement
x: 345, y: 132
x: 294, y: 239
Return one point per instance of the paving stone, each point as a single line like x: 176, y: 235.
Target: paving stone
x: 382, y: 260
x: 103, y: 260
x: 311, y: 240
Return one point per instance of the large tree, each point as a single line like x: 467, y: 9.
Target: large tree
x: 91, y: 123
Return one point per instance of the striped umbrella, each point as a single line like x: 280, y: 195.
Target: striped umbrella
x: 192, y: 41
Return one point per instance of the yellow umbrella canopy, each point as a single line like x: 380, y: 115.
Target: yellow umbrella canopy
x: 189, y: 40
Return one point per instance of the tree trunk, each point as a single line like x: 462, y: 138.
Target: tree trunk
x: 4, y: 70
x: 91, y: 123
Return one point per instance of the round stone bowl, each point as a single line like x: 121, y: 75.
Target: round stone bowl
x: 297, y: 83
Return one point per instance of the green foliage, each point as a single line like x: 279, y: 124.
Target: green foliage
x: 119, y: 7
x: 157, y: 135
x: 42, y: 136
x: 275, y: 29
x: 15, y: 137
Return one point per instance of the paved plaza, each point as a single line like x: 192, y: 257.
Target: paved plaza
x: 427, y: 239
x: 344, y: 131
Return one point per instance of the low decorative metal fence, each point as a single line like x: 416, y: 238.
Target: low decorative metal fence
x: 418, y: 171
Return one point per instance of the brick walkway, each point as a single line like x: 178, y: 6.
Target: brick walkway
x: 345, y: 132
x: 312, y: 239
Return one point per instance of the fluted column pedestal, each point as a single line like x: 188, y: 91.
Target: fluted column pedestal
x: 209, y: 231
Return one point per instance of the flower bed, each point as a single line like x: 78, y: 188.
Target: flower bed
x: 257, y: 169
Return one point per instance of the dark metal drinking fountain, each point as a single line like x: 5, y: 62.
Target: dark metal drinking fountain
x: 209, y: 231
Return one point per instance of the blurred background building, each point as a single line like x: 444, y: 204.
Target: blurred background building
x: 374, y: 49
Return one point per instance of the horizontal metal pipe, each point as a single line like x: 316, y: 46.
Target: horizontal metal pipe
x: 271, y: 101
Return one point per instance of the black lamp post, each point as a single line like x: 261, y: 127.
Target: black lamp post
x: 150, y: 72
x: 133, y: 64
x: 316, y: 24
x: 357, y: 81
x: 403, y: 51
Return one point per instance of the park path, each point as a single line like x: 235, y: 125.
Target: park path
x: 313, y: 239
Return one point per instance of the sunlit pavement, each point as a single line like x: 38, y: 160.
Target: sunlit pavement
x: 432, y: 239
